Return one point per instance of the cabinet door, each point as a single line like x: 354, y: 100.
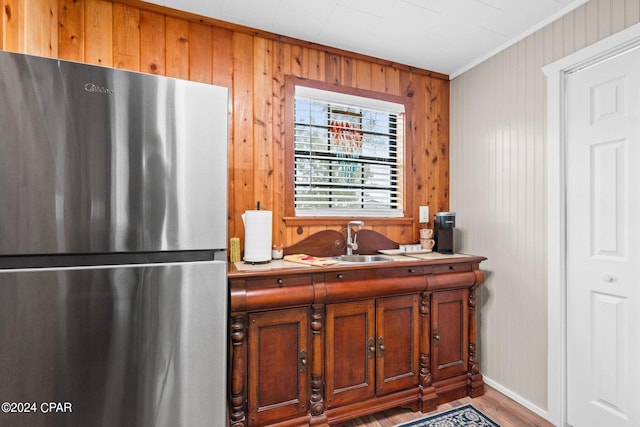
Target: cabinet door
x: 278, y: 379
x: 350, y: 352
x: 449, y: 333
x: 398, y: 329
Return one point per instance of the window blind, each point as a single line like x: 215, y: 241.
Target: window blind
x: 348, y: 155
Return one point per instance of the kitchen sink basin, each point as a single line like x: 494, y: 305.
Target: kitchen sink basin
x: 362, y: 259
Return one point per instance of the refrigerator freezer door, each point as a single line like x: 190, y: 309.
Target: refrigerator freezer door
x: 136, y: 345
x: 98, y: 160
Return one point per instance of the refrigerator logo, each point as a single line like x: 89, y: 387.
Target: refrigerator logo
x: 90, y: 87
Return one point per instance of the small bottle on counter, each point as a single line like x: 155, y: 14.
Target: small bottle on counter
x: 234, y: 249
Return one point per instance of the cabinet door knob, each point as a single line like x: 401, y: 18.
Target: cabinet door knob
x: 340, y: 276
x: 436, y: 337
x: 381, y: 347
x: 280, y: 282
x: 608, y: 278
x: 303, y: 360
x: 371, y: 347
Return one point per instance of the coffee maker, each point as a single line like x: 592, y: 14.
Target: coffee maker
x: 443, y: 226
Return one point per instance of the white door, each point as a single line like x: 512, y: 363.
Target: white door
x: 603, y: 243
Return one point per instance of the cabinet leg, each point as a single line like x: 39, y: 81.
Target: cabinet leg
x: 475, y: 384
x: 237, y: 417
x: 428, y: 396
x: 318, y: 418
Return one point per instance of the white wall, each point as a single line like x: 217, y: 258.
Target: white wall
x: 498, y: 126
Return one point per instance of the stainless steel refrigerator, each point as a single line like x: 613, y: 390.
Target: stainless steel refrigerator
x: 113, y: 219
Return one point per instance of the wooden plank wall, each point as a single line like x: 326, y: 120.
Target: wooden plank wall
x: 498, y: 181
x: 137, y: 36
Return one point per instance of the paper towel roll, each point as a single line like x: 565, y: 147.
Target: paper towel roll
x: 257, y: 236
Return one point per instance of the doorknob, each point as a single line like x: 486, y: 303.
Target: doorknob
x: 381, y: 347
x: 608, y: 278
x: 371, y: 348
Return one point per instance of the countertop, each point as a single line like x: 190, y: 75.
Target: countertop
x: 242, y: 269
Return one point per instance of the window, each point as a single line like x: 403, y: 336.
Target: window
x: 348, y: 155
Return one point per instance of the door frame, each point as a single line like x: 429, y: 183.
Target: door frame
x: 556, y: 158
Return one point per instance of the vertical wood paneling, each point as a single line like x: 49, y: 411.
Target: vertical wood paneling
x: 392, y: 80
x: 579, y: 23
x: 363, y: 74
x: 413, y: 133
x: 177, y: 48
x: 316, y: 64
x: 604, y: 18
x: 347, y: 71
x: 222, y: 66
x: 618, y: 10
x: 263, y: 126
x: 222, y: 58
x: 152, y: 43
x: 631, y: 13
x: 498, y: 130
x: 71, y: 30
x: 243, y: 154
x: 592, y: 26
x: 126, y: 37
x: 200, y: 53
x: 136, y: 36
x: 42, y: 23
x: 378, y: 78
x: 298, y: 59
x: 13, y: 14
x: 31, y: 27
x: 98, y: 41
x: 281, y: 68
x: 3, y: 16
x: 333, y: 69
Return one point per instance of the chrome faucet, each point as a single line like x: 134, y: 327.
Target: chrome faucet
x: 353, y: 245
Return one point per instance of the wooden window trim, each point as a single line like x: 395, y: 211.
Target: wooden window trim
x: 289, y: 96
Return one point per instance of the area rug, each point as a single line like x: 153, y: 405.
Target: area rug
x: 462, y: 416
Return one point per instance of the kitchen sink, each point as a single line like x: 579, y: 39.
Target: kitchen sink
x: 362, y: 259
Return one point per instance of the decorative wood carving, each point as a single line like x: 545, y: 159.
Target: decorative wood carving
x: 332, y: 243
x: 238, y: 397
x: 475, y: 382
x: 437, y: 288
x: 323, y: 243
x: 317, y: 390
x: 370, y: 242
x: 425, y: 315
x: 428, y: 396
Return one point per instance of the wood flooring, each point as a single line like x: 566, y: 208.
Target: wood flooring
x: 501, y: 409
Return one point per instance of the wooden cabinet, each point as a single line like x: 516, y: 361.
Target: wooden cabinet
x: 450, y: 343
x: 350, y: 352
x: 371, y: 348
x: 398, y: 331
x: 449, y: 336
x: 322, y: 346
x: 278, y: 383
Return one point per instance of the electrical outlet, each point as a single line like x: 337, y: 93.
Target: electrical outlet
x: 424, y: 214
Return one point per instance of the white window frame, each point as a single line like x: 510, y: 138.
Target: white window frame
x: 394, y: 188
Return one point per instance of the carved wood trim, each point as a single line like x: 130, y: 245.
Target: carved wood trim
x: 237, y: 418
x: 475, y: 384
x: 369, y: 242
x: 317, y: 405
x: 323, y: 243
x: 331, y: 243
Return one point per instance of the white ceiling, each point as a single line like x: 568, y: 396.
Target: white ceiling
x: 446, y: 36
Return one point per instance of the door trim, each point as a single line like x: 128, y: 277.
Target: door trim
x: 557, y: 73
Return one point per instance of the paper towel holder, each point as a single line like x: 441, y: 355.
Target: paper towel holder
x: 258, y: 236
